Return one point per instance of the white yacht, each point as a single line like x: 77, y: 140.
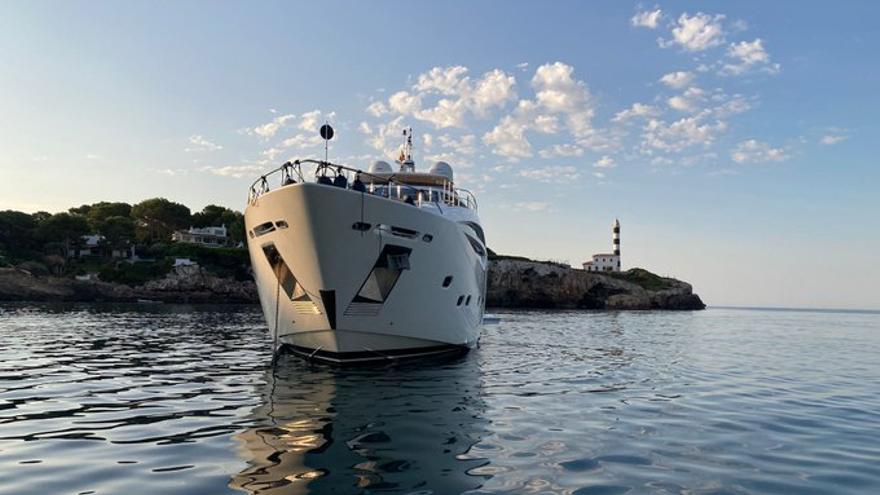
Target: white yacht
x: 355, y: 266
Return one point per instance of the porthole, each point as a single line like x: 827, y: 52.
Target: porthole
x: 447, y: 281
x: 460, y: 300
x: 427, y: 238
x: 467, y: 302
x: 281, y: 224
x: 361, y: 226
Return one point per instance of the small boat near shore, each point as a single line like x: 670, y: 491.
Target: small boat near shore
x: 359, y: 266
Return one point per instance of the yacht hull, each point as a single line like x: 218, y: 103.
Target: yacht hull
x: 345, y: 276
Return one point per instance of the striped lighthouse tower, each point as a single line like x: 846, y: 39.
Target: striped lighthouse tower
x: 615, y: 238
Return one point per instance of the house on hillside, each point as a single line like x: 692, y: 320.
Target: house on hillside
x: 203, y: 236
x: 96, y: 245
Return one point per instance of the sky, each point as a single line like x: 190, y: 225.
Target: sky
x: 736, y: 142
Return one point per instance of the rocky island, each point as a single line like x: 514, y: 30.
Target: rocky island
x: 513, y: 283
x: 522, y: 283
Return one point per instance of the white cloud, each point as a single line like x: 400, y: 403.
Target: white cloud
x: 460, y: 96
x: 678, y: 79
x: 377, y: 109
x: 647, y: 19
x: 733, y: 105
x: 603, y: 140
x: 748, y: 55
x: 753, y: 151
x: 696, y: 33
x: 271, y: 153
x: 508, y: 139
x: 386, y: 137
x: 92, y: 156
x: 636, y: 110
x: 269, y: 129
x: 309, y: 121
x: 545, y: 124
x: 689, y: 102
x: 556, y: 173
x: 465, y: 145
x: 199, y: 143
x: 302, y: 141
x: 492, y: 90
x: 405, y: 103
x: 443, y: 80
x: 831, y: 139
x: 522, y: 66
x: 561, y: 150
x: 558, y: 92
x: 427, y: 140
x: 446, y: 113
x: 605, y: 162
x: 236, y: 171
x: 681, y: 134
x: 531, y: 206
x: 364, y: 128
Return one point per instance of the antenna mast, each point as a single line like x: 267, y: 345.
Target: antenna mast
x: 406, y: 160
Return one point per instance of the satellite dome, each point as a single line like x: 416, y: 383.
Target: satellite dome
x: 441, y: 168
x: 380, y: 167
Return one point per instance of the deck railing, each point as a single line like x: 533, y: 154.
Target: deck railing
x: 378, y: 185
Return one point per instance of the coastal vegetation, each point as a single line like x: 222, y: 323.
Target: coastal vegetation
x: 118, y: 242
x: 111, y: 251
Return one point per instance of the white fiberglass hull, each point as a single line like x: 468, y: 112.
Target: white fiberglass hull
x: 345, y: 276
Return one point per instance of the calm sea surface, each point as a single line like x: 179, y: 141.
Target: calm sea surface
x: 171, y: 400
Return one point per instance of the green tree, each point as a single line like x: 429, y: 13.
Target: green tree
x: 98, y: 214
x: 118, y: 230
x: 64, y: 228
x: 156, y: 219
x: 17, y: 236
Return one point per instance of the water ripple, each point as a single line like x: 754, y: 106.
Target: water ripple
x: 166, y: 399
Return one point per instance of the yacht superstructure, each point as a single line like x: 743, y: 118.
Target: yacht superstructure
x: 356, y: 265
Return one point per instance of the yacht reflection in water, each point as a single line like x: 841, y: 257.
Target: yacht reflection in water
x: 406, y: 428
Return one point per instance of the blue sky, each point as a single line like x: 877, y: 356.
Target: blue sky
x: 735, y: 141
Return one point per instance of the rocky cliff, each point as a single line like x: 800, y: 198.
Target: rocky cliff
x: 184, y: 284
x: 513, y: 283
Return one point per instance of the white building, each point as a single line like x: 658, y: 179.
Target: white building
x: 204, y: 236
x: 607, y: 262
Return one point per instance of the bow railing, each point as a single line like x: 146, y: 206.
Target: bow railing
x: 386, y: 186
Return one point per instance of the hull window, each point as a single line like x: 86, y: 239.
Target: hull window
x: 392, y: 261
x: 264, y: 228
x: 289, y: 284
x: 460, y: 300
x: 361, y: 226
x: 281, y: 224
x: 447, y: 281
x: 478, y: 248
x: 427, y: 238
x: 477, y: 230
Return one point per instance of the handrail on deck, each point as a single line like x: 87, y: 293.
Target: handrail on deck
x: 291, y: 173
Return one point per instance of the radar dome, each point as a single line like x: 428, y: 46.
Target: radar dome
x: 441, y: 168
x: 380, y: 167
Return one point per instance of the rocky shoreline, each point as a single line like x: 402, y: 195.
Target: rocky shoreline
x: 516, y: 283
x: 513, y: 283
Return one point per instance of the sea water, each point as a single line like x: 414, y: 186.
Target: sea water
x: 174, y: 399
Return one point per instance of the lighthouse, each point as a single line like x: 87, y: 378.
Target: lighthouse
x: 615, y: 238
x: 607, y: 262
